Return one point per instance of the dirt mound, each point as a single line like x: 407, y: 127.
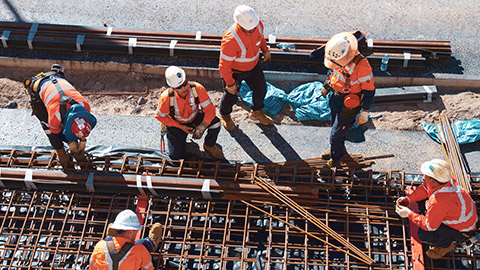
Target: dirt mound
x: 137, y: 94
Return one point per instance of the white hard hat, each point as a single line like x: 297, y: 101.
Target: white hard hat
x: 246, y: 17
x: 340, y: 50
x: 175, y: 76
x: 126, y: 220
x: 437, y: 169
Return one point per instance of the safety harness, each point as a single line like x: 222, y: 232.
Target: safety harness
x: 352, y: 99
x: 171, y: 95
x: 35, y: 96
x: 117, y: 256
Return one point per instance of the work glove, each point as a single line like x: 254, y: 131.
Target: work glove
x: 324, y: 92
x: 362, y: 118
x: 403, y: 201
x: 402, y: 211
x: 199, y: 130
x: 232, y: 89
x: 267, y: 57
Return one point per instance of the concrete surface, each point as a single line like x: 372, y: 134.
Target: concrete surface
x: 249, y: 143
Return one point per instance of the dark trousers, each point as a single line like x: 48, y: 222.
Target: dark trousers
x: 255, y: 79
x: 443, y: 236
x: 56, y: 140
x: 340, y: 126
x: 177, y: 139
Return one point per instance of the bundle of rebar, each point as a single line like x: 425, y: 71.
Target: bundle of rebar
x: 453, y: 154
x: 403, y: 53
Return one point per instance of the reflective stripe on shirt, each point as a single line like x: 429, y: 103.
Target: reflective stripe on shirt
x: 243, y: 54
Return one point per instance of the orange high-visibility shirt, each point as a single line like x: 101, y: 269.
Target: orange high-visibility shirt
x: 51, y: 98
x: 361, y: 78
x: 185, y: 108
x: 137, y: 258
x: 449, y: 204
x: 240, y: 51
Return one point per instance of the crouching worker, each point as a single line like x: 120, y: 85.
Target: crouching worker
x: 451, y: 214
x: 185, y: 108
x: 120, y: 251
x: 63, y: 112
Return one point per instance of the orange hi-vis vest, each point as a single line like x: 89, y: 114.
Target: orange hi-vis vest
x: 51, y: 98
x: 186, y: 109
x: 342, y: 81
x: 137, y: 257
x: 240, y: 51
x: 449, y: 204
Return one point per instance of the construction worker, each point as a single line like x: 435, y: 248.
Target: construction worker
x: 185, y: 108
x: 63, y: 112
x: 351, y: 82
x: 451, y: 214
x: 239, y: 61
x: 120, y: 251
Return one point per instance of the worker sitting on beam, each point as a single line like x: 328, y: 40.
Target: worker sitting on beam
x: 451, y: 214
x: 185, y: 108
x: 63, y: 112
x: 351, y: 82
x: 120, y: 250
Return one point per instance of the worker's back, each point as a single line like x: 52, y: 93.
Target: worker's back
x: 138, y: 257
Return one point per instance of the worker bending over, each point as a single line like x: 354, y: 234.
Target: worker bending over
x: 120, y: 251
x: 63, y: 112
x: 185, y: 108
x: 239, y: 61
x: 451, y: 214
x: 350, y: 80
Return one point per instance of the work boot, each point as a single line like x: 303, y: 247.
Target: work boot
x: 215, y: 151
x: 439, y: 252
x: 262, y: 117
x: 111, y: 232
x: 62, y: 157
x: 156, y: 235
x: 333, y: 163
x: 325, y: 154
x: 227, y: 122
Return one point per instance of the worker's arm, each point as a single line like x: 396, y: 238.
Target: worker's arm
x: 365, y: 77
x: 228, y: 53
x: 206, y: 104
x: 145, y: 257
x: 418, y: 194
x: 436, y: 212
x: 263, y: 43
x: 163, y: 112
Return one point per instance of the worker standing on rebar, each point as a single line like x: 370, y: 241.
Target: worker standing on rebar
x: 451, y: 214
x: 185, y: 108
x: 351, y: 82
x: 120, y: 250
x: 240, y: 61
x: 63, y: 112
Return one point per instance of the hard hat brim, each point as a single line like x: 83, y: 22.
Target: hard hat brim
x: 351, y: 53
x: 125, y: 228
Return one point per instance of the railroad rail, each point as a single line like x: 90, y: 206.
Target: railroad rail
x: 402, y: 53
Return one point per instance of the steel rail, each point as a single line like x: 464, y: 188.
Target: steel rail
x: 87, y: 39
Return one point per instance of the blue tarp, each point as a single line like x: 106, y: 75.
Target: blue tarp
x: 274, y: 100
x: 308, y: 103
x: 468, y: 131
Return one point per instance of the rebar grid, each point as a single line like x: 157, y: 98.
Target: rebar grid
x: 58, y: 230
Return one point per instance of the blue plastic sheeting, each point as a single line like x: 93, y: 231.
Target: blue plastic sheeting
x: 468, y: 131
x: 308, y: 103
x: 273, y: 102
